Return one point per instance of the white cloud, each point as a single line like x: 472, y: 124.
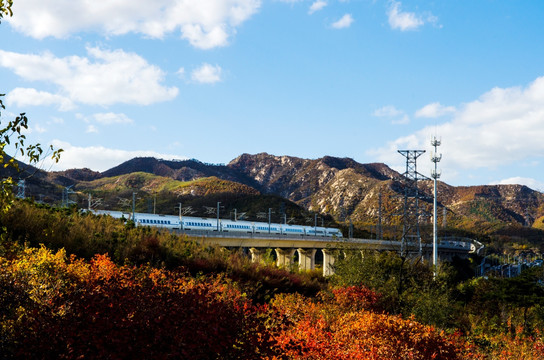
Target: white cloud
x: 57, y: 120
x: 403, y: 21
x: 97, y: 158
x: 91, y: 129
x: 204, y: 23
x: 518, y: 180
x: 112, y: 118
x: 207, y: 74
x: 502, y: 127
x: 344, y: 22
x: 104, y: 78
x: 434, y: 110
x: 387, y: 111
x: 316, y: 6
x: 23, y: 97
x: 404, y: 119
x: 40, y: 129
x: 395, y: 115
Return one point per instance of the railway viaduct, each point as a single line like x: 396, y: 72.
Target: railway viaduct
x: 289, y: 250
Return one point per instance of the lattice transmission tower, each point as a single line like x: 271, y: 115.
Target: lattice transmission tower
x: 21, y: 186
x: 412, y: 213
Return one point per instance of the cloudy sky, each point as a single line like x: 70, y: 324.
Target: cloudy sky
x: 212, y: 79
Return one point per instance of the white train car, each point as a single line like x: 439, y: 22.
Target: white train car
x: 265, y: 228
x: 332, y: 232
x: 163, y: 221
x: 197, y: 223
x: 237, y: 226
x: 211, y: 224
x: 293, y: 230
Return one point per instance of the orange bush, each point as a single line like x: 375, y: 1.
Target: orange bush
x: 343, y: 329
x: 122, y: 312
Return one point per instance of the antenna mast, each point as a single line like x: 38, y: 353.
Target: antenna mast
x: 435, y: 174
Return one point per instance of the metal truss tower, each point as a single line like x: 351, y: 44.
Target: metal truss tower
x: 66, y: 192
x: 412, y: 213
x: 21, y: 189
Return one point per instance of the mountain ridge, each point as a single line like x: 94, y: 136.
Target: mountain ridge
x: 339, y: 187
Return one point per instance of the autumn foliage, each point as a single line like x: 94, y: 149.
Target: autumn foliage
x: 347, y: 328
x: 67, y: 308
x: 55, y: 306
x: 153, y: 295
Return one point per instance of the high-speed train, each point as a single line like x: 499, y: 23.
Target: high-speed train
x: 211, y: 224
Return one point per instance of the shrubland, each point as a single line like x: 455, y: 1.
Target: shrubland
x: 75, y: 285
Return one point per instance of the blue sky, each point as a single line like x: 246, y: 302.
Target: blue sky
x: 212, y: 79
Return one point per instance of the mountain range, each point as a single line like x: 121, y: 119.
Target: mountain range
x: 338, y: 189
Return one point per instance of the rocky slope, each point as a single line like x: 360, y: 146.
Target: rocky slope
x: 340, y: 187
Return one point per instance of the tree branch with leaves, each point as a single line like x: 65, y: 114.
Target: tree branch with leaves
x: 5, y: 8
x: 11, y: 135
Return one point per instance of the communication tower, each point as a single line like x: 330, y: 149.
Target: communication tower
x: 435, y: 174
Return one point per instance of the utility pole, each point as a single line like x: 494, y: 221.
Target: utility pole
x: 315, y: 224
x: 435, y: 158
x: 180, y: 218
x: 269, y: 218
x: 218, y: 203
x: 134, y: 207
x: 379, y: 229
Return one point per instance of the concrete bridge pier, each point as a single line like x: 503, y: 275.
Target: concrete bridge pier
x: 284, y: 257
x: 306, y: 259
x: 329, y: 256
x: 257, y: 254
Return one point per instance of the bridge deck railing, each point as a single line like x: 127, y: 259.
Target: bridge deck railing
x: 450, y: 242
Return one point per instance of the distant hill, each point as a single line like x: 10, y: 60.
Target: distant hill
x: 337, y: 187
